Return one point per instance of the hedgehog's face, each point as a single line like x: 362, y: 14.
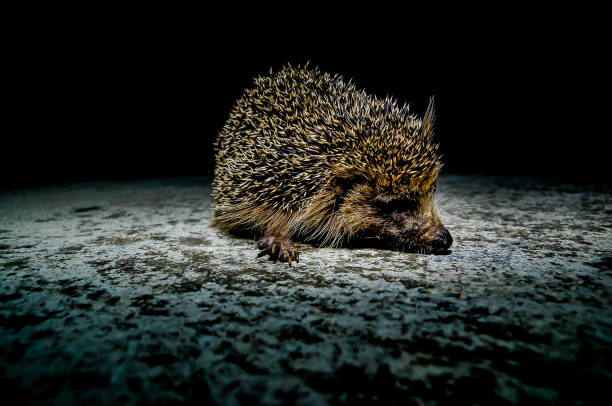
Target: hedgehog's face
x: 408, y: 222
x: 384, y: 182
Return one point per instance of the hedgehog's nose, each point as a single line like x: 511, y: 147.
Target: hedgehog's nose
x: 442, y: 241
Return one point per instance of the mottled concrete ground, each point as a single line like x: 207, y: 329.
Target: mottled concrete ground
x: 123, y: 293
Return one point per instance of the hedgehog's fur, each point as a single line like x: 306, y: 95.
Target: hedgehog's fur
x: 306, y: 154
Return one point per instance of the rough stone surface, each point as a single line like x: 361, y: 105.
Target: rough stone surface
x: 123, y: 293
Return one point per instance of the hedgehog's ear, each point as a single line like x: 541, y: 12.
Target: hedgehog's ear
x: 428, y: 119
x: 346, y: 183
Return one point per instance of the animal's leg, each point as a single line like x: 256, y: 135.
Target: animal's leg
x: 278, y: 246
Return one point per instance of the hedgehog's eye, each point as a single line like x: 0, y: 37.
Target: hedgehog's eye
x: 395, y: 205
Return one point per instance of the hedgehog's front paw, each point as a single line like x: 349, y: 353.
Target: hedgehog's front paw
x: 278, y: 248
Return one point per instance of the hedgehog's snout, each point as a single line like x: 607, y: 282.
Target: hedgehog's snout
x: 420, y: 232
x: 442, y: 241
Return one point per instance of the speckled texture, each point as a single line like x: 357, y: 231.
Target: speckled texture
x: 123, y: 293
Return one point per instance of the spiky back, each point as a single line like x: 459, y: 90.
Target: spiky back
x: 300, y: 129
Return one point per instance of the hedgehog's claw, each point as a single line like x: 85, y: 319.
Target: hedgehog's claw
x: 278, y: 248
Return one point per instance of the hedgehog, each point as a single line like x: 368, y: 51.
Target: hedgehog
x: 306, y: 156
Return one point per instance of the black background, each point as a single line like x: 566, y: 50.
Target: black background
x: 112, y: 99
